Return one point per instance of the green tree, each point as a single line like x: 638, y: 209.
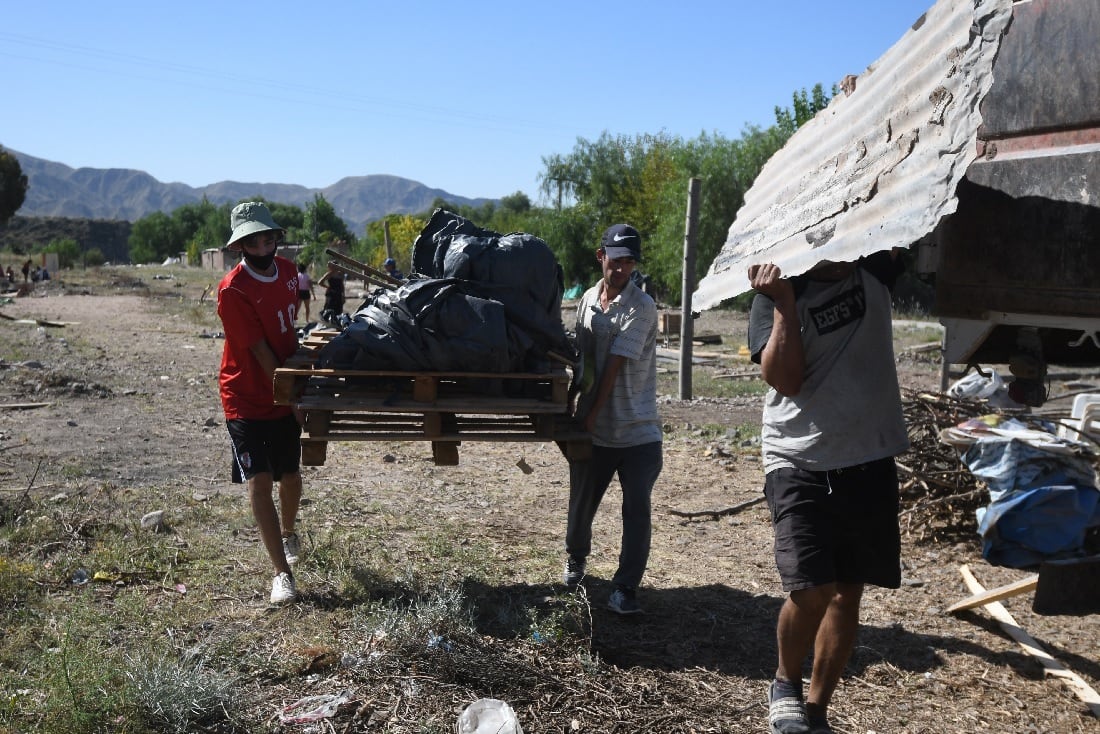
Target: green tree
x: 803, y: 108
x: 201, y: 226
x: 404, y: 229
x: 517, y: 203
x: 560, y: 180
x: 153, y: 238
x: 643, y: 180
x: 93, y: 257
x: 287, y: 216
x: 13, y: 185
x: 320, y: 227
x: 67, y: 249
x: 572, y: 235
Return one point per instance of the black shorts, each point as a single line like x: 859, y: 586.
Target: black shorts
x: 836, y: 526
x: 303, y: 295
x: 273, y: 446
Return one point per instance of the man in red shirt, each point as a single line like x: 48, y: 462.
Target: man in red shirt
x: 257, y: 303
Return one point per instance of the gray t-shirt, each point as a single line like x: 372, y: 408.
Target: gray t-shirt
x: 848, y: 411
x: 628, y: 328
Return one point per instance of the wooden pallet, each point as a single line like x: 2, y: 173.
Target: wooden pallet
x: 445, y: 408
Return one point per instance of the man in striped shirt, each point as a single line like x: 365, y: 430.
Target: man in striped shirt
x: 617, y: 337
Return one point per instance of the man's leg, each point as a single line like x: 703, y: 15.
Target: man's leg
x: 836, y: 638
x: 588, y: 481
x: 800, y: 619
x: 638, y: 472
x: 267, y: 521
x: 290, y: 498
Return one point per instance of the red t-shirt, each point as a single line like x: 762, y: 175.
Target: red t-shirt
x: 254, y: 307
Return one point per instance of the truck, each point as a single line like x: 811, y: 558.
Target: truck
x: 1017, y: 266
x: 974, y: 142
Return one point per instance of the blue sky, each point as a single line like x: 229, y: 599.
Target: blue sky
x: 466, y: 97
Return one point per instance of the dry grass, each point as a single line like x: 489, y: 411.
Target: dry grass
x: 424, y: 588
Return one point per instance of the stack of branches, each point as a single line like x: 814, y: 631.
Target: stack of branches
x: 939, y: 495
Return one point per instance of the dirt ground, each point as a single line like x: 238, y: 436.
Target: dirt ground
x: 129, y: 387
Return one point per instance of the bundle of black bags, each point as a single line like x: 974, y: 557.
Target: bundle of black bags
x: 477, y: 301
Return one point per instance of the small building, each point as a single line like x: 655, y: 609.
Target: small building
x: 219, y: 260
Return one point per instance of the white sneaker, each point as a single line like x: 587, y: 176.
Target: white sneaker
x: 283, y: 590
x: 292, y: 548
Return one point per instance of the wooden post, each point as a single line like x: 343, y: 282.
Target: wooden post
x: 687, y: 325
x: 386, y: 233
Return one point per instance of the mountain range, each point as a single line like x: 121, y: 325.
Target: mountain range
x: 56, y: 190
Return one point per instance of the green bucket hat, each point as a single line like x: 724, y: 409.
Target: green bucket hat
x: 249, y: 218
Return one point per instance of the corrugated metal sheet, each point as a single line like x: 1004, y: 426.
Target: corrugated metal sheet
x: 879, y: 166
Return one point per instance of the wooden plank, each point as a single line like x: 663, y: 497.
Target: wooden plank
x: 445, y: 453
x: 1016, y: 588
x: 340, y: 257
x: 543, y: 424
x: 470, y: 436
x: 317, y: 422
x: 444, y: 408
x: 433, y: 424
x: 490, y: 406
x: 314, y: 453
x: 1052, y: 667
x: 425, y: 388
x: 287, y: 387
x: 559, y: 391
x: 332, y: 372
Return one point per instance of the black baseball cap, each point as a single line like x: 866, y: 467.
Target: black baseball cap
x: 622, y: 240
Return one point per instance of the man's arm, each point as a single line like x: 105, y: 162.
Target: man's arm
x: 269, y: 362
x: 603, y: 390
x: 267, y: 359
x: 782, y: 363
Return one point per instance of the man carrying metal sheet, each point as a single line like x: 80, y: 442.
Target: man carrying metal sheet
x: 832, y: 426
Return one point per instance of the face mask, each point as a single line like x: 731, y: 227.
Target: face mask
x: 260, y: 263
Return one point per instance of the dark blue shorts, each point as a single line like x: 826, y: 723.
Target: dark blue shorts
x: 272, y: 446
x: 836, y: 526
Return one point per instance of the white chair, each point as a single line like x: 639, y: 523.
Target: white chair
x: 1084, y: 418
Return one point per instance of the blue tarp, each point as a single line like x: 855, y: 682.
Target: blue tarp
x: 1043, y: 495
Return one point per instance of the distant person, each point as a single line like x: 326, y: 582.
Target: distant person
x: 45, y: 274
x: 36, y: 274
x: 333, y: 282
x: 616, y: 331
x: 305, y: 290
x: 26, y: 271
x: 11, y: 276
x: 832, y: 426
x: 257, y: 302
x: 390, y: 266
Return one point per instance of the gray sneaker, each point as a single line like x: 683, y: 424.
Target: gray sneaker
x: 292, y: 548
x: 622, y: 601
x: 283, y: 589
x: 574, y: 571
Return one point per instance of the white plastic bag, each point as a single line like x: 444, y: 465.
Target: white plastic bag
x: 976, y: 386
x: 488, y: 716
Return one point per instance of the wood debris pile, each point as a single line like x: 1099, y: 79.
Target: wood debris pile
x: 939, y: 495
